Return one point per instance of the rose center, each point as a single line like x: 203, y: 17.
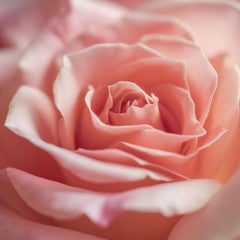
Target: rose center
x: 128, y: 104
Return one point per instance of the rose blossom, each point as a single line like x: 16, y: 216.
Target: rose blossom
x: 119, y: 124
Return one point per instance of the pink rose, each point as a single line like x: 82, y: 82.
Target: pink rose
x: 120, y: 124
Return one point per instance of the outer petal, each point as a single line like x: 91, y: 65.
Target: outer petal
x: 80, y: 166
x: 129, y: 28
x: 133, y: 25
x: 132, y: 3
x: 25, y: 155
x: 21, y: 20
x: 219, y: 220
x: 8, y: 62
x: 32, y: 112
x: 19, y: 222
x: 63, y: 202
x: 15, y: 227
x: 215, y: 33
x: 224, y: 112
x: 74, y: 18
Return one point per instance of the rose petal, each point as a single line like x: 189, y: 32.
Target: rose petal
x: 74, y: 80
x: 218, y: 220
x: 134, y: 25
x: 21, y: 20
x: 178, y: 111
x: 126, y: 104
x: 129, y: 29
x: 63, y: 202
x: 91, y: 126
x: 118, y: 156
x: 183, y: 164
x: 132, y: 3
x: 80, y: 166
x: 199, y: 71
x: 157, y: 70
x: 224, y: 112
x: 32, y: 112
x: 10, y: 199
x: 73, y: 19
x: 8, y: 61
x: 25, y: 155
x: 27, y: 229
x: 221, y: 34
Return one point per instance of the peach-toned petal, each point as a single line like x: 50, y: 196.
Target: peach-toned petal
x: 21, y: 20
x: 25, y: 155
x: 132, y: 3
x: 224, y: 112
x: 157, y: 70
x: 8, y: 61
x: 199, y: 72
x: 80, y: 166
x: 75, y: 79
x: 215, y: 33
x: 32, y: 112
x: 219, y: 220
x: 91, y: 126
x: 178, y: 111
x: 129, y: 29
x: 180, y: 163
x: 134, y: 25
x: 63, y: 202
x: 73, y: 19
x: 9, y: 198
x: 117, y: 156
x: 127, y: 104
x: 156, y: 140
x: 15, y: 227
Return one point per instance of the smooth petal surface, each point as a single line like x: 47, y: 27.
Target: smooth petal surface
x: 32, y: 112
x: 78, y: 165
x: 8, y: 61
x: 75, y: 79
x: 179, y: 163
x: 224, y: 112
x: 25, y: 156
x: 199, y: 71
x: 221, y: 34
x: 63, y: 202
x: 21, y: 20
x: 25, y: 229
x: 74, y: 18
x: 129, y: 28
x: 219, y: 220
x: 132, y: 3
x: 133, y: 25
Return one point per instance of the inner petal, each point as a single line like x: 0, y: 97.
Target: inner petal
x: 125, y: 94
x: 131, y: 105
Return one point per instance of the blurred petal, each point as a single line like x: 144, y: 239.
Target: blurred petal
x: 133, y: 25
x: 8, y: 61
x: 21, y: 20
x: 132, y: 3
x: 219, y: 220
x: 215, y: 33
